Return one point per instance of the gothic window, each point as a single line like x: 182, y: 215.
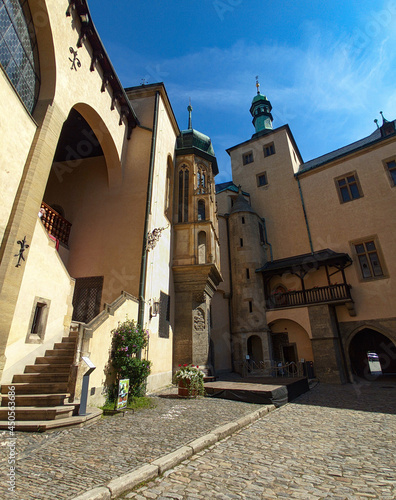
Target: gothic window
x: 168, y: 189
x: 201, y: 210
x: 184, y: 179
x: 18, y: 50
x: 201, y: 181
x: 202, y: 247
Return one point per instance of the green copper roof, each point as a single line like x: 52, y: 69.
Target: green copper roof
x: 259, y: 97
x: 192, y: 138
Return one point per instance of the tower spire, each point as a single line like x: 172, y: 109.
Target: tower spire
x: 261, y: 111
x: 189, y: 109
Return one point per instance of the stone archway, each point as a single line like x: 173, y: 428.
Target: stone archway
x: 367, y: 341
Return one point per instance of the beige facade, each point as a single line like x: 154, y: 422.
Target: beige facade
x: 100, y: 161
x: 329, y: 238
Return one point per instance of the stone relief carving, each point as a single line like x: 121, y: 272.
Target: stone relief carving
x: 199, y: 320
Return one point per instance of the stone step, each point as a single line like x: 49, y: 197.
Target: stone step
x: 36, y: 388
x: 40, y: 413
x: 45, y: 425
x: 36, y: 399
x: 48, y: 368
x: 64, y: 346
x: 69, y: 340
x: 41, y: 377
x: 59, y: 353
x: 54, y: 360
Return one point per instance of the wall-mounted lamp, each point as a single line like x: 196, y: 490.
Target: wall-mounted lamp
x: 154, y: 308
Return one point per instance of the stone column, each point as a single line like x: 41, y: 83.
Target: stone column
x: 326, y: 345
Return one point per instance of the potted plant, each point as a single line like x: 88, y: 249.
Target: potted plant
x: 190, y: 381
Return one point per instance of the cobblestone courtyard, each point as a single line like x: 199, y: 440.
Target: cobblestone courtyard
x: 333, y: 442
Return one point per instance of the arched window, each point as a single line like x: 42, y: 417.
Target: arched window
x: 168, y: 189
x: 18, y: 50
x: 201, y: 210
x: 202, y: 247
x: 184, y: 179
x: 201, y: 181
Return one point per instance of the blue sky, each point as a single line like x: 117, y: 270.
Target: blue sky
x: 328, y: 68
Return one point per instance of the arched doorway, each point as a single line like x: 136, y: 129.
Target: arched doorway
x: 255, y: 348
x: 367, y: 346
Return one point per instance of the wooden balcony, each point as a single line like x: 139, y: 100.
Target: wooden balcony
x: 332, y: 294
x: 55, y: 224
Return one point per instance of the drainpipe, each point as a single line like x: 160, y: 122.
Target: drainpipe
x: 266, y: 239
x: 143, y: 267
x: 226, y: 216
x: 305, y: 214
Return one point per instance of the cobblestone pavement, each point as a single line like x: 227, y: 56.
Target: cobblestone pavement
x: 334, y: 442
x: 62, y: 464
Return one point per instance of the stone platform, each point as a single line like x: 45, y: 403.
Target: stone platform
x: 259, y: 390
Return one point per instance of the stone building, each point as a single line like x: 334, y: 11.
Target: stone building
x: 127, y: 223
x: 307, y: 253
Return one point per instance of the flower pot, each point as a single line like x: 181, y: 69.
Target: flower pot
x: 185, y: 391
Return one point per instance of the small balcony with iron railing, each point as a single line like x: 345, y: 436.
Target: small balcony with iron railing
x: 56, y: 225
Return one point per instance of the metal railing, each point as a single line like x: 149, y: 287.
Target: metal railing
x: 316, y: 295
x: 271, y: 369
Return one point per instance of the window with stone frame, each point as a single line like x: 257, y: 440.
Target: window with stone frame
x: 38, y: 321
x: 390, y: 167
x: 348, y: 187
x: 164, y: 316
x: 262, y: 179
x: 368, y: 255
x: 269, y: 149
x: 184, y: 182
x: 247, y: 158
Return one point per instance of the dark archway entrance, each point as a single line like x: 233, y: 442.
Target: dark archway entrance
x: 255, y: 348
x: 370, y: 341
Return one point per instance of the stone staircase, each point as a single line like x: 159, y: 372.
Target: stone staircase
x: 42, y: 391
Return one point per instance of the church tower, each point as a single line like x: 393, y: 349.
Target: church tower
x: 261, y: 112
x: 196, y: 255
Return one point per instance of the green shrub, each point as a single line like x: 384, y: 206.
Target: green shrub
x: 129, y: 339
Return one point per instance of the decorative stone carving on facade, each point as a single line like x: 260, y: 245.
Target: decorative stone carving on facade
x: 199, y: 320
x: 199, y: 297
x: 154, y: 236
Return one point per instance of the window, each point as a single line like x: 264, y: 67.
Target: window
x: 38, y: 321
x: 18, y: 50
x: 348, y: 187
x: 261, y: 233
x: 262, y: 179
x: 367, y: 254
x: 241, y: 242
x: 391, y: 169
x: 247, y: 274
x: 243, y: 220
x: 250, y: 306
x: 201, y: 210
x: 164, y: 315
x: 201, y: 181
x: 269, y: 149
x: 184, y: 179
x: 247, y: 158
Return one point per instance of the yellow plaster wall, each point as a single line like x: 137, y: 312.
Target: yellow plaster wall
x: 158, y: 276
x: 99, y: 350
x: 279, y: 201
x: 335, y: 225
x: 45, y: 277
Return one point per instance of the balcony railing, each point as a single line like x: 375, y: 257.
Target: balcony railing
x: 55, y: 224
x: 318, y: 295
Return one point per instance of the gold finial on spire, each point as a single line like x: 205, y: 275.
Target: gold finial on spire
x: 257, y: 85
